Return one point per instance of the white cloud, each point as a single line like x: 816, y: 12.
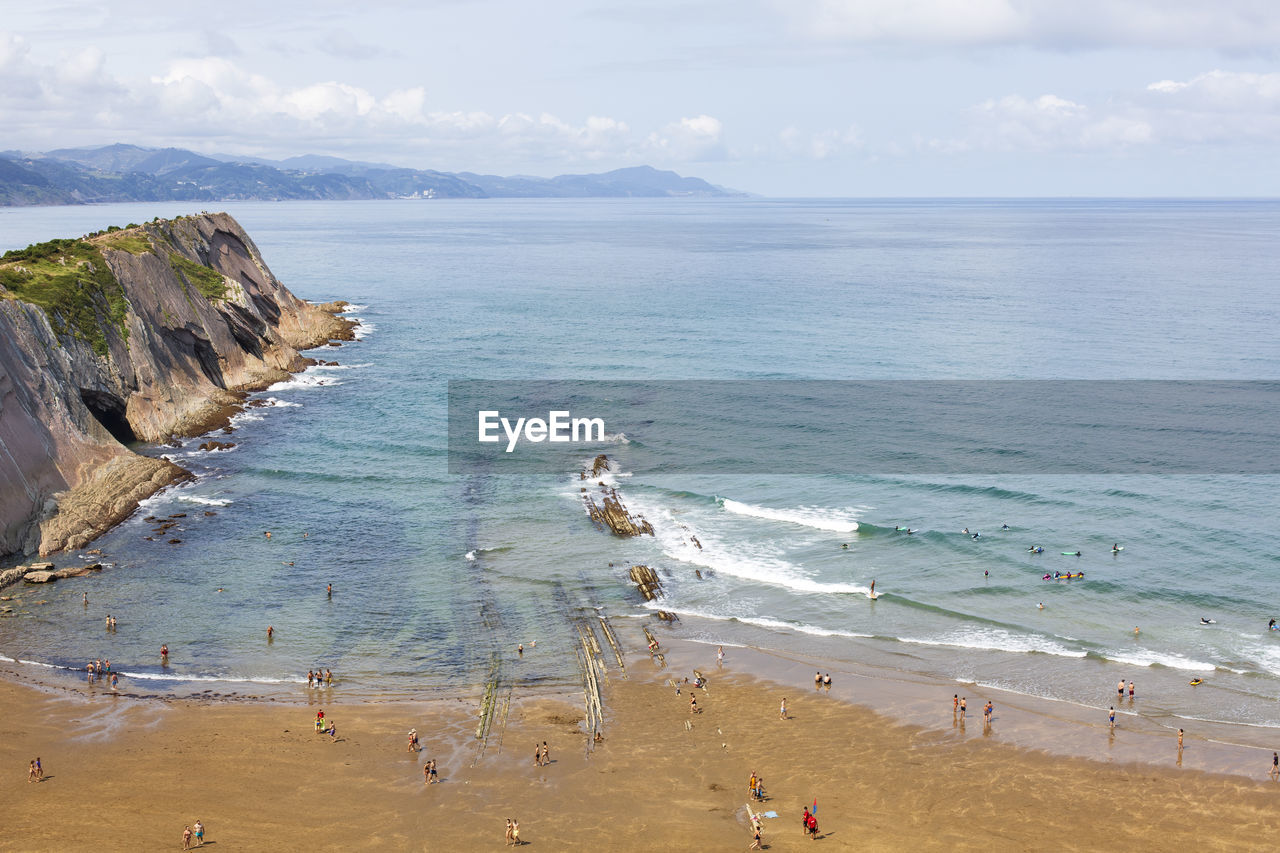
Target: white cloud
x: 689, y: 139
x: 1228, y: 25
x: 1046, y: 123
x: 1219, y: 108
x: 821, y: 145
x: 214, y: 103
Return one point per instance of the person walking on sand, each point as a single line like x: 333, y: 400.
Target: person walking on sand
x: 804, y: 821
x: 720, y: 655
x: 434, y: 777
x: 508, y: 836
x: 755, y: 838
x: 515, y: 834
x: 1179, y: 740
x: 964, y: 707
x: 1111, y: 720
x: 199, y: 829
x: 186, y: 838
x: 546, y: 753
x: 782, y: 709
x: 955, y: 704
x: 426, y: 773
x: 39, y: 770
x: 31, y: 771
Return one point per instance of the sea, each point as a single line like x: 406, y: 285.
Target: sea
x: 438, y: 574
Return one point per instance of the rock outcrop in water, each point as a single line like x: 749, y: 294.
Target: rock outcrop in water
x: 143, y: 334
x: 610, y: 512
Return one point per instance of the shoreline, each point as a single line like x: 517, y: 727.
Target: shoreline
x: 1051, y: 727
x: 257, y: 773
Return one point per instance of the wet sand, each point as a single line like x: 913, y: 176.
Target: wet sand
x: 126, y: 773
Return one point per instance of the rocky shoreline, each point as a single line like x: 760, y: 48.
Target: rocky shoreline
x: 169, y: 345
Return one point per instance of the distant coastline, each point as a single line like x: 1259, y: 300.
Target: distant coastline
x: 129, y: 173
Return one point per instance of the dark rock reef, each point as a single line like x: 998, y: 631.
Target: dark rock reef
x: 143, y: 334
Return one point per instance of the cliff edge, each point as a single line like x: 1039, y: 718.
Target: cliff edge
x: 142, y: 334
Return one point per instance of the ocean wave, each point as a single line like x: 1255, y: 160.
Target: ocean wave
x: 758, y: 621
x: 277, y: 403
x: 1146, y: 657
x: 353, y: 308
x: 997, y: 640
x: 818, y: 518
x: 470, y: 555
x: 362, y: 329
x: 303, y: 381
x: 677, y: 540
x: 163, y: 676
x: 197, y: 499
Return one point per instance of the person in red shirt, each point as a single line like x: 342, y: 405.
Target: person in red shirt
x: 812, y: 826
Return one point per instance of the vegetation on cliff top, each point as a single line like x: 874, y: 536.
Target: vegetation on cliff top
x: 209, y: 282
x: 71, y: 281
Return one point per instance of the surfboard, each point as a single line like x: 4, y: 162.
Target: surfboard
x: 873, y: 595
x: 1121, y: 548
x: 1071, y: 553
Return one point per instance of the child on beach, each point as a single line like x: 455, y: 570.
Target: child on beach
x: 782, y: 709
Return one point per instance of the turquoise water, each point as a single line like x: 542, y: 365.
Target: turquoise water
x: 434, y: 573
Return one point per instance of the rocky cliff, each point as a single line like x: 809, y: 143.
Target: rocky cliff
x: 141, y: 334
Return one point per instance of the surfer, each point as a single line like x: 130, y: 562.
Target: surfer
x: 1272, y: 625
x: 1004, y: 527
x: 1204, y: 621
x: 966, y: 530
x: 977, y: 536
x: 873, y: 592
x: 1115, y: 546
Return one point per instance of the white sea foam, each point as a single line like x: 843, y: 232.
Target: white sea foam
x: 616, y: 438
x: 353, y: 308
x: 758, y: 621
x: 837, y: 521
x: 308, y: 379
x: 197, y: 499
x: 471, y: 555
x: 362, y: 329
x: 997, y: 640
x: 1146, y: 657
x: 744, y: 561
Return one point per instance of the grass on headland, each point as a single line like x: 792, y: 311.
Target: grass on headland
x: 70, y: 280
x: 209, y: 282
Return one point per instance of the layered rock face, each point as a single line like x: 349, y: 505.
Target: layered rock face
x: 202, y: 322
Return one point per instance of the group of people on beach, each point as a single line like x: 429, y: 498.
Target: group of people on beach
x: 513, y: 833
x: 193, y: 831
x: 319, y: 678
x: 541, y: 755
x: 820, y: 680
x: 100, y: 670
x: 330, y: 728
x: 35, y: 770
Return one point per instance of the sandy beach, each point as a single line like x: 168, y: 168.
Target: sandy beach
x: 123, y: 773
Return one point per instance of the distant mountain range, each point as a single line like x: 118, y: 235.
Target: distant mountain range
x: 115, y: 173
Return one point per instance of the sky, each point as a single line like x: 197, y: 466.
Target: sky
x: 784, y: 98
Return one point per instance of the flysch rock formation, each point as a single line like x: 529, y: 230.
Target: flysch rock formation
x: 203, y: 322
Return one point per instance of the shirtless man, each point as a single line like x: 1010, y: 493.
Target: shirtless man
x: 817, y: 680
x: 782, y: 709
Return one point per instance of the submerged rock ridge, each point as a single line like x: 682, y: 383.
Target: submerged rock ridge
x: 142, y: 334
